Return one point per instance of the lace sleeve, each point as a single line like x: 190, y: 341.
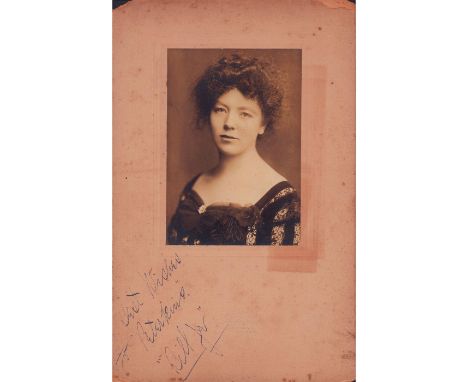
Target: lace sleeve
x: 281, y: 225
x: 286, y: 227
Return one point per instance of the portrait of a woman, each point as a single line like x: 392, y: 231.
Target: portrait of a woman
x: 242, y: 200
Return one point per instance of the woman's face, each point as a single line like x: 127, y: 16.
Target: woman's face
x: 236, y: 121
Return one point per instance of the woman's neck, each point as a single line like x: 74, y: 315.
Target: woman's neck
x: 238, y: 165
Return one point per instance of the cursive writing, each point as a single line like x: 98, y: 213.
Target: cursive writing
x: 133, y: 308
x: 178, y: 355
x: 154, y: 280
x: 200, y: 330
x: 122, y: 356
x: 149, y: 330
x: 178, y: 358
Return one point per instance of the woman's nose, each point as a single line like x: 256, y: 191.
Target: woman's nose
x: 229, y: 122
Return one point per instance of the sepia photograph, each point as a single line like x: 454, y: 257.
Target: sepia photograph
x: 233, y: 146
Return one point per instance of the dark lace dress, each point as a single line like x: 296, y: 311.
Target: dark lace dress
x: 273, y: 220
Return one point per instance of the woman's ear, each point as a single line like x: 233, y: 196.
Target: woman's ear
x: 262, y: 130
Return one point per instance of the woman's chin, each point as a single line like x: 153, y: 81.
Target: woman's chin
x: 229, y: 150
x: 230, y: 153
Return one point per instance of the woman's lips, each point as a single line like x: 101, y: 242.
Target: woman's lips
x: 224, y: 136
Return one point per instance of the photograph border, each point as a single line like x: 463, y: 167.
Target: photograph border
x: 314, y: 78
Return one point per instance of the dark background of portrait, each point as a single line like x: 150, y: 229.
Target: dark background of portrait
x: 190, y: 150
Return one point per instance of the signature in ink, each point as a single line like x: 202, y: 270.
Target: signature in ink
x: 178, y: 355
x: 178, y: 359
x: 200, y: 330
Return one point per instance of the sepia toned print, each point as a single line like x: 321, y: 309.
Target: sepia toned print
x: 221, y: 309
x: 242, y: 199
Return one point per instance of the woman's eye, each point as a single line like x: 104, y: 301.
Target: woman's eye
x: 245, y: 115
x: 218, y: 110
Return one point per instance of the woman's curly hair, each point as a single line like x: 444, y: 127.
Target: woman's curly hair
x: 254, y: 78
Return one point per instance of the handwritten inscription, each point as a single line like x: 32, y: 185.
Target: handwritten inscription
x: 157, y: 305
x: 178, y: 358
x: 149, y: 330
x: 122, y: 356
x: 156, y: 280
x: 196, y: 343
x: 133, y: 307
